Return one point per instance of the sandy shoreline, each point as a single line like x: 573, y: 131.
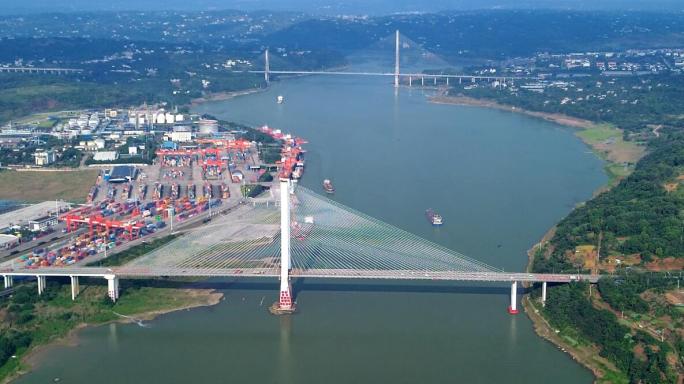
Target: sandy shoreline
x: 219, y: 96
x: 205, y: 298
x: 554, y: 117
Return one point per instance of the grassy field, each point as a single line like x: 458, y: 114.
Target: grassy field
x: 608, y: 141
x: 42, y: 186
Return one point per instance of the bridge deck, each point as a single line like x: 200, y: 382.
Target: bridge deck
x: 402, y: 75
x: 138, y: 272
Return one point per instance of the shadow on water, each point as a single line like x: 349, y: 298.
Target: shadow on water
x: 300, y: 285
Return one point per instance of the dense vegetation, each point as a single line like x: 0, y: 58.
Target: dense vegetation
x: 569, y: 307
x: 638, y: 216
x: 266, y: 177
x: 497, y: 34
x: 635, y: 104
x: 252, y: 190
x: 23, y: 154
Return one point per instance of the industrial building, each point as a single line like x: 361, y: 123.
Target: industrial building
x: 122, y: 174
x: 22, y: 216
x: 8, y: 241
x: 42, y: 223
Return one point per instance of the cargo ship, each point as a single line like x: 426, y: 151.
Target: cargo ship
x: 328, y: 187
x: 433, y: 217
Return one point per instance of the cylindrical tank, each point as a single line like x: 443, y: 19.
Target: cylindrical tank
x: 208, y: 127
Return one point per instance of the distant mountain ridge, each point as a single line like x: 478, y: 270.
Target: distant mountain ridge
x: 374, y: 7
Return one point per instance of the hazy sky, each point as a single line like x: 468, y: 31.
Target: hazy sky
x: 330, y: 6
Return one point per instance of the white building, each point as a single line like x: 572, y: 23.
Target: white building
x: 43, y: 157
x: 105, y: 156
x: 181, y: 136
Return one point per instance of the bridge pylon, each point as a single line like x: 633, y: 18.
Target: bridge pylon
x: 284, y: 305
x: 396, y: 59
x: 267, y: 67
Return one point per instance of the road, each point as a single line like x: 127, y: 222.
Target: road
x: 137, y: 272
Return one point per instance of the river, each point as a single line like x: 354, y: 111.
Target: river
x: 499, y: 179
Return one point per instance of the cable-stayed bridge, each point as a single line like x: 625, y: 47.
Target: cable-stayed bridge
x: 398, y: 76
x: 300, y: 235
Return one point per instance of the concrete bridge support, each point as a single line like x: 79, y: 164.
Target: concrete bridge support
x: 75, y: 287
x: 41, y: 284
x: 447, y: 80
x: 435, y: 80
x: 513, y: 308
x: 544, y: 294
x: 9, y: 281
x: 285, y: 304
x: 410, y: 81
x: 112, y: 287
x: 267, y: 67
x: 396, y: 59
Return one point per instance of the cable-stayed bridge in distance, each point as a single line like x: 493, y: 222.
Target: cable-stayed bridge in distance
x: 397, y: 75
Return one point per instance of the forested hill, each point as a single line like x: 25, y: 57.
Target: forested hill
x: 493, y: 34
x: 642, y: 215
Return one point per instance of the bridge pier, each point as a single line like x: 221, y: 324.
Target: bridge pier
x: 422, y: 81
x: 435, y: 79
x: 41, y: 284
x: 75, y: 287
x: 544, y: 294
x: 410, y: 81
x: 9, y: 281
x: 112, y: 287
x: 513, y: 308
x: 447, y: 80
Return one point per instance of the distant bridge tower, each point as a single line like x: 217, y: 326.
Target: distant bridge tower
x: 267, y: 67
x: 284, y: 304
x: 396, y: 60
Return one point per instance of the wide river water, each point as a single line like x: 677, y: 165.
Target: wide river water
x: 499, y: 179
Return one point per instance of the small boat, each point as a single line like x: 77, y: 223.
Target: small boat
x: 280, y: 99
x: 328, y: 187
x: 433, y: 217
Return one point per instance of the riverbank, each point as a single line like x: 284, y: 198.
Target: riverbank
x: 603, y: 370
x: 220, y: 96
x: 58, y: 320
x: 605, y: 140
x: 620, y: 156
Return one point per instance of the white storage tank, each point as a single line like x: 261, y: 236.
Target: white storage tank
x: 160, y: 119
x: 208, y: 127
